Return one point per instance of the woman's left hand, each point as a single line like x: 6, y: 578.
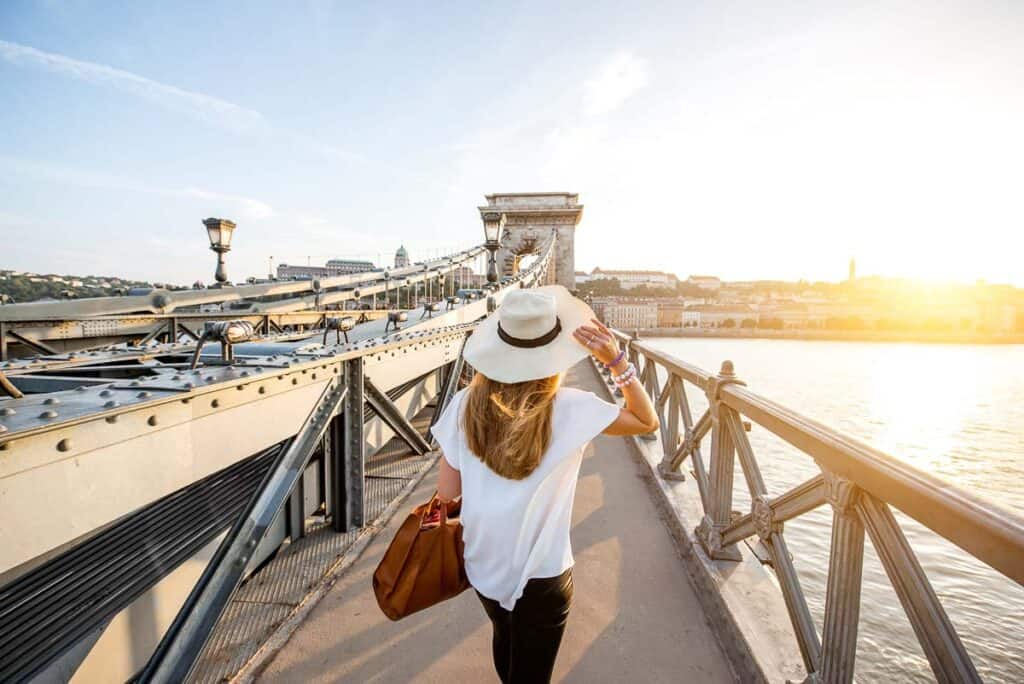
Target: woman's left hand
x: 598, y: 340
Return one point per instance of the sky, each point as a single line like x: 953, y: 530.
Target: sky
x: 748, y: 140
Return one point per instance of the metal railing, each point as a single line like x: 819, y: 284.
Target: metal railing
x: 338, y: 416
x: 161, y: 301
x: 860, y: 483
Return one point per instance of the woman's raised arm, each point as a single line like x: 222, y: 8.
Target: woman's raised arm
x: 638, y: 416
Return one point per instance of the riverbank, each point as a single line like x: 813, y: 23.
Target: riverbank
x: 937, y: 337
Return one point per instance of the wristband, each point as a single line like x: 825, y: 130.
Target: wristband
x: 615, y: 361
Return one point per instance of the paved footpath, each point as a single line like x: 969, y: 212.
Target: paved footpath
x: 635, y: 617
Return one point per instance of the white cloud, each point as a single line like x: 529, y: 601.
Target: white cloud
x: 196, y: 105
x: 616, y: 81
x: 229, y: 205
x: 246, y: 208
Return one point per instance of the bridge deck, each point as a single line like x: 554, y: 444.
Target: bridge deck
x: 635, y: 616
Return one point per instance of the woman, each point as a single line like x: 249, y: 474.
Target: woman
x: 513, y: 442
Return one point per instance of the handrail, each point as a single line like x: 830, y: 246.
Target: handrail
x: 859, y: 481
x: 166, y: 301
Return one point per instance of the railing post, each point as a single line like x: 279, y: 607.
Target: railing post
x: 347, y: 455
x: 842, y: 593
x: 941, y: 644
x: 723, y: 457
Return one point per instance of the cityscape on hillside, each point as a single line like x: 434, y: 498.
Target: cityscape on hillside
x: 659, y: 301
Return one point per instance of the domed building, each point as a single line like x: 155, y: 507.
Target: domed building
x: 401, y: 257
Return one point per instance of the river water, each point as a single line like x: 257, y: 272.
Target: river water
x: 956, y: 411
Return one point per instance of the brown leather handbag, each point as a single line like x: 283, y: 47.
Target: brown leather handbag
x: 423, y: 565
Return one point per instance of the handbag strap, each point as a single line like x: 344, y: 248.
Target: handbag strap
x: 442, y: 507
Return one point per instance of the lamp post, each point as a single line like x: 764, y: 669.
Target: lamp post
x: 493, y: 223
x: 220, y: 231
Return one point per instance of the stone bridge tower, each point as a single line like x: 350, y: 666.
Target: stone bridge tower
x: 531, y: 218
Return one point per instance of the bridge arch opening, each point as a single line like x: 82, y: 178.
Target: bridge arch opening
x: 532, y: 219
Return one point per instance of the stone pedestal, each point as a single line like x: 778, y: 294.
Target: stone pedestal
x: 531, y: 220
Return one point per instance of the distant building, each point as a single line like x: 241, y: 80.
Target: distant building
x: 715, y: 315
x: 334, y: 267
x: 581, y: 277
x: 629, y: 279
x: 401, y: 257
x: 629, y: 314
x: 670, y: 313
x: 464, y: 277
x: 710, y: 283
x: 344, y: 266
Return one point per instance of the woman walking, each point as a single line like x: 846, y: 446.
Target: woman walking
x: 513, y: 442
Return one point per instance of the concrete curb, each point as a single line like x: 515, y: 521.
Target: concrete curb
x: 280, y: 636
x: 741, y: 600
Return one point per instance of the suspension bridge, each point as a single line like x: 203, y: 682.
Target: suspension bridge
x: 195, y: 495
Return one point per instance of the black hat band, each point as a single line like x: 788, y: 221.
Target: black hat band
x: 530, y: 343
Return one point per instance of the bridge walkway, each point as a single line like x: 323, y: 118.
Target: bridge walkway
x: 635, y: 617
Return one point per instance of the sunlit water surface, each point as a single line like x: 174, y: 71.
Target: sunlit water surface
x: 956, y: 411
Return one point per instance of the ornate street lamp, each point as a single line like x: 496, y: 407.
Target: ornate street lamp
x: 220, y: 231
x: 493, y: 223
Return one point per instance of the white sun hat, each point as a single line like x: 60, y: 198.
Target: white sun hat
x: 530, y: 335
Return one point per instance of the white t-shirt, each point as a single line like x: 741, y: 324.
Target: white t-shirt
x: 515, y: 530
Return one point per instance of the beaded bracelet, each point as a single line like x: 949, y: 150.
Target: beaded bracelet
x: 614, y: 362
x: 630, y: 368
x: 625, y: 383
x: 626, y: 377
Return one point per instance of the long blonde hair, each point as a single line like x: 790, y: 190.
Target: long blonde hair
x: 508, y: 425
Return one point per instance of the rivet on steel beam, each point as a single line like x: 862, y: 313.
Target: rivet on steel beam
x: 295, y: 381
x: 240, y: 387
x: 245, y: 374
x: 47, y: 415
x: 143, y: 395
x: 64, y: 444
x: 3, y: 429
x: 188, y: 385
x: 133, y: 383
x: 215, y: 403
x: 81, y: 388
x: 263, y: 390
x: 152, y: 420
x: 51, y: 401
x: 111, y: 404
x: 7, y: 412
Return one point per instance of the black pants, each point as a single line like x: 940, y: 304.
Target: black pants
x: 526, y: 639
